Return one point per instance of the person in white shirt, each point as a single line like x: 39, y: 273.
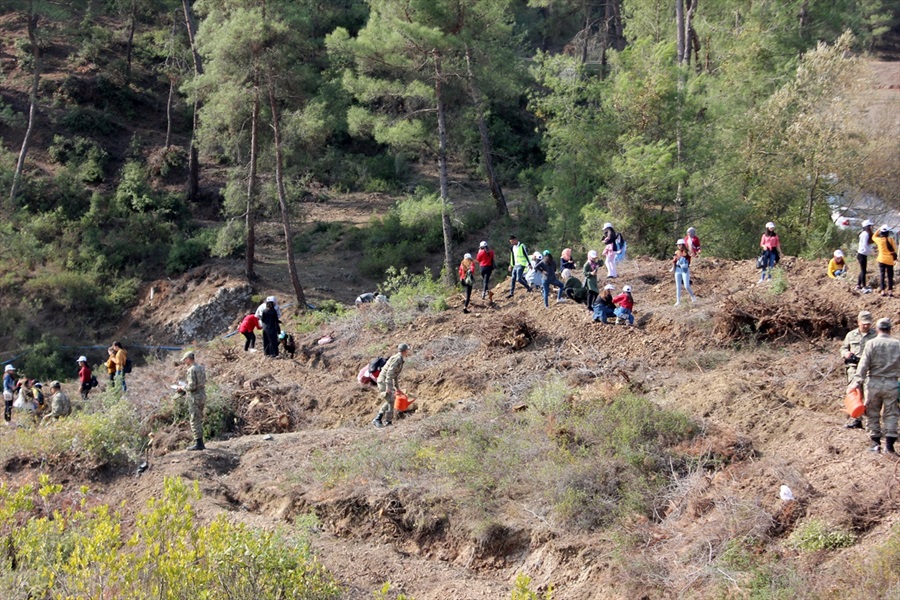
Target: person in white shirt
x: 262, y: 307
x: 862, y: 255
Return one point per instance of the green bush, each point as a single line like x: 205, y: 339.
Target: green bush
x: 408, y: 291
x: 86, y: 157
x: 231, y: 239
x: 89, y: 121
x: 816, y: 535
x: 68, y: 291
x: 187, y: 253
x: 46, y: 360
x: 522, y: 590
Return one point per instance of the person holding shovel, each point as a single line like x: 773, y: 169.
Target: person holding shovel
x: 388, y: 383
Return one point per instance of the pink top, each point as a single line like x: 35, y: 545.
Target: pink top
x: 769, y: 242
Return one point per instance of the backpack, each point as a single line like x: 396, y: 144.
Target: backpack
x: 377, y: 364
x: 94, y: 383
x: 619, y: 242
x: 127, y: 368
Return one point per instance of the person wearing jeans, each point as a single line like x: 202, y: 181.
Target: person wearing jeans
x: 682, y: 268
x: 518, y: 262
x: 547, y: 267
x: 862, y: 254
x: 121, y: 358
x: 771, y: 247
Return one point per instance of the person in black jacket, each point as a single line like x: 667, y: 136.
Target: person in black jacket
x: 547, y: 268
x: 604, y: 308
x: 271, y: 329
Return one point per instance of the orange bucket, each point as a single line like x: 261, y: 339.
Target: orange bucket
x: 402, y: 402
x: 853, y: 403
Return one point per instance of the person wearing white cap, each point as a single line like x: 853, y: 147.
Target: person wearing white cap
x: 887, y: 255
x: 485, y: 260
x: 624, y: 306
x: 84, y: 377
x: 9, y: 391
x: 863, y: 251
x: 609, y: 250
x: 262, y: 307
x: 771, y: 251
x: 681, y: 264
x: 467, y: 278
x: 604, y: 307
x: 837, y: 266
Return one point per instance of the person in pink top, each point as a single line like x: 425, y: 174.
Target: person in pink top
x: 771, y: 251
x: 247, y: 329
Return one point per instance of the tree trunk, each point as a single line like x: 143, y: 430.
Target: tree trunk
x: 131, y: 27
x: 585, y: 6
x: 169, y: 103
x: 282, y: 201
x: 449, y: 275
x: 496, y: 190
x: 251, y: 188
x: 689, y: 34
x: 33, y: 19
x: 679, y: 31
x: 193, y: 161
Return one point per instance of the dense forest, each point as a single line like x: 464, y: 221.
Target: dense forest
x: 141, y: 137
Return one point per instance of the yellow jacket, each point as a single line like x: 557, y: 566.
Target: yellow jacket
x: 886, y: 249
x: 121, y: 357
x: 834, y: 266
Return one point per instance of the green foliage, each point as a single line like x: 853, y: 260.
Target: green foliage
x: 411, y: 291
x: 86, y: 156
x: 186, y: 253
x: 522, y: 590
x: 384, y: 593
x: 779, y: 281
x: 89, y: 121
x: 230, y: 240
x: 817, y: 535
x: 46, y: 360
x: 68, y: 545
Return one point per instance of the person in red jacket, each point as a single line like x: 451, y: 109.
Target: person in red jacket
x: 84, y: 377
x: 485, y: 259
x: 247, y: 328
x: 467, y: 278
x: 624, y: 305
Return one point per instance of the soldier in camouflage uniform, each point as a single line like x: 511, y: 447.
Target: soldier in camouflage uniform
x: 195, y: 391
x: 60, y: 406
x: 879, y: 366
x: 852, y: 349
x: 387, y: 384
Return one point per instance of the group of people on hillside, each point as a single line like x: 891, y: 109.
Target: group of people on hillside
x: 882, y: 246
x: 268, y: 318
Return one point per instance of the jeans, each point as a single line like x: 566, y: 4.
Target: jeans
x: 887, y: 275
x: 468, y: 289
x: 518, y: 274
x: 862, y: 259
x: 486, y: 279
x: 768, y: 265
x: 120, y: 376
x: 545, y: 288
x: 603, y: 313
x: 683, y: 278
x: 623, y: 313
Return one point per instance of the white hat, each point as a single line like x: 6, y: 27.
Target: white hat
x: 82, y: 359
x: 8, y: 368
x: 627, y: 289
x: 679, y: 242
x: 609, y: 286
x: 469, y: 256
x: 592, y: 254
x: 884, y: 229
x: 482, y: 245
x: 770, y: 225
x: 838, y: 254
x: 537, y: 256
x: 271, y: 299
x: 607, y: 226
x: 867, y: 223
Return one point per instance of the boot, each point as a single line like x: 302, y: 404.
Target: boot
x: 198, y: 445
x: 377, y: 421
x: 876, y: 444
x: 889, y: 445
x: 854, y: 424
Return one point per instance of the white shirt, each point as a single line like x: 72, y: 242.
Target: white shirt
x: 865, y: 243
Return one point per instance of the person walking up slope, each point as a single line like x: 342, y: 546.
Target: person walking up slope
x: 485, y: 259
x: 879, y: 367
x: 248, y: 329
x: 518, y: 262
x: 467, y: 278
x: 388, y: 383
x: 682, y: 267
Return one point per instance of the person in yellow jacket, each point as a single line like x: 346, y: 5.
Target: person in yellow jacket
x: 887, y: 255
x: 111, y: 365
x: 121, y: 359
x: 837, y: 266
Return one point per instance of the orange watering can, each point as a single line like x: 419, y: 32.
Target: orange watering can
x: 853, y: 403
x: 402, y: 402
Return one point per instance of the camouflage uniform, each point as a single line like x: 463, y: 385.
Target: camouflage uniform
x: 855, y: 343
x: 60, y: 405
x: 195, y: 390
x: 879, y: 366
x: 387, y: 383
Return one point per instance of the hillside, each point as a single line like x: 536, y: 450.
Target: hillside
x: 768, y: 412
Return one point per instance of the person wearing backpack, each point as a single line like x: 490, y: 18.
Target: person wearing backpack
x: 624, y: 306
x: 467, y: 278
x: 485, y: 259
x: 518, y: 262
x: 368, y: 375
x: 681, y: 265
x: 609, y: 250
x: 84, y: 377
x: 887, y: 254
x: 121, y: 362
x: 547, y: 269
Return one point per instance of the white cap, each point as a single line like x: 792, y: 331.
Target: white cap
x: 770, y: 225
x: 867, y: 223
x: 607, y: 226
x: 884, y: 229
x: 609, y: 286
x: 271, y: 299
x: 469, y: 256
x: 482, y: 245
x: 592, y: 254
x: 537, y: 256
x: 8, y: 368
x: 679, y: 242
x: 838, y: 254
x: 627, y: 288
x: 82, y: 359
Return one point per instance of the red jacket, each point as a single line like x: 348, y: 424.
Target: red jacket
x: 84, y: 374
x: 249, y: 323
x: 485, y: 258
x: 624, y: 300
x: 692, y: 242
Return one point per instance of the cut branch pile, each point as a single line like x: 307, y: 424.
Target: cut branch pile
x: 512, y: 332
x: 788, y: 317
x: 266, y: 410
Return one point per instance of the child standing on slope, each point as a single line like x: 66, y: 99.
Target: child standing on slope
x: 624, y: 305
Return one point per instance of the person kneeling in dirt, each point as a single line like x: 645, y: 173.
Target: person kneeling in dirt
x: 195, y: 392
x: 837, y: 267
x: 388, y: 382
x: 60, y: 406
x: 852, y: 348
x: 879, y: 367
x: 369, y: 373
x: 287, y: 341
x: 604, y: 307
x: 371, y: 298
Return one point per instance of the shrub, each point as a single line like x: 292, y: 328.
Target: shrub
x: 779, y: 281
x: 86, y: 157
x: 817, y: 535
x: 231, y: 239
x: 522, y: 590
x: 418, y: 292
x: 67, y: 291
x: 88, y: 121
x: 187, y: 253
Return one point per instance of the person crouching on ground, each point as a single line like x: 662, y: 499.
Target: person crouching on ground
x: 388, y: 383
x: 879, y: 368
x: 837, y: 267
x: 84, y: 378
x: 60, y: 406
x: 248, y: 328
x: 624, y: 305
x: 467, y: 278
x: 852, y: 348
x: 195, y: 393
x: 604, y: 307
